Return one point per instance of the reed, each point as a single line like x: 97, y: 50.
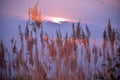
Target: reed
x: 42, y: 57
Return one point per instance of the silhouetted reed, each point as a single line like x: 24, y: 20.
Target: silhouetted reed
x: 34, y: 58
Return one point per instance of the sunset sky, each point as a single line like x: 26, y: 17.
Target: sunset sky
x: 88, y: 11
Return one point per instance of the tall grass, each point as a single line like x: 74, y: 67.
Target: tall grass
x: 56, y: 58
x: 42, y: 57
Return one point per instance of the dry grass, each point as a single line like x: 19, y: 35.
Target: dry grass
x: 25, y: 63
x: 60, y: 58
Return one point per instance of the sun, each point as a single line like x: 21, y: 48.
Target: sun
x: 57, y: 19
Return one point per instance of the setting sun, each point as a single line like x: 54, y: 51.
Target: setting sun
x: 57, y: 19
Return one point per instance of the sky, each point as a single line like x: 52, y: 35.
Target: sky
x: 88, y: 11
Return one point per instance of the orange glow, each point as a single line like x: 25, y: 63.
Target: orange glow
x: 34, y: 14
